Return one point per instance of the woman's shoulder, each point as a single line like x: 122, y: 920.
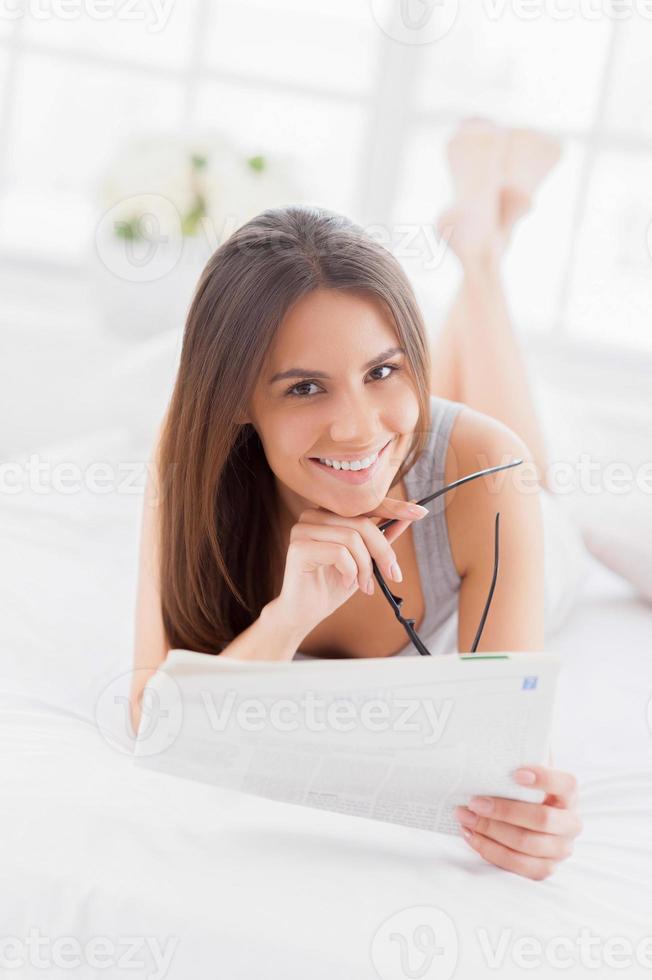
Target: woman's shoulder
x: 475, y: 435
x: 477, y: 442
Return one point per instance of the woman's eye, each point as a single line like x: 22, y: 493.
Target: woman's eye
x: 392, y: 367
x: 294, y: 390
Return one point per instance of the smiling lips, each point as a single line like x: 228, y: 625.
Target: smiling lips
x: 350, y: 458
x: 348, y: 475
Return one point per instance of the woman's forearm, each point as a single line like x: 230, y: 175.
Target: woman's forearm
x: 270, y: 637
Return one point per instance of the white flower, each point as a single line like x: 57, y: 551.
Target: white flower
x: 208, y: 180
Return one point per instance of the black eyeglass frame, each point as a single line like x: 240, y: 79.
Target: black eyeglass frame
x: 396, y: 601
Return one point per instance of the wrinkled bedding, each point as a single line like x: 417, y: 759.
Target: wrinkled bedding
x: 212, y: 883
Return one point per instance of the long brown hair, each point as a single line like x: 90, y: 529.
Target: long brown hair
x: 218, y: 537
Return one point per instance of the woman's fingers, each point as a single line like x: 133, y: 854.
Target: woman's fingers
x: 528, y: 838
x: 342, y: 536
x: 319, y: 553
x: 504, y: 857
x: 517, y: 838
x: 561, y: 786
x: 395, y: 509
x: 533, y: 816
x: 377, y: 544
x: 396, y: 530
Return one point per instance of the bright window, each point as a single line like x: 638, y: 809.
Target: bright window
x: 366, y: 119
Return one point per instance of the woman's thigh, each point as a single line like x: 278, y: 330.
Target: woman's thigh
x: 444, y: 367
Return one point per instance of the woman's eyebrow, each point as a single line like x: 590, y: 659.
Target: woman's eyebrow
x: 304, y: 372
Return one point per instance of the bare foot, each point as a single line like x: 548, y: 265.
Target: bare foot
x: 495, y: 173
x: 476, y: 161
x: 529, y: 157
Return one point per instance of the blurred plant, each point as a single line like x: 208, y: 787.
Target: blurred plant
x: 212, y: 186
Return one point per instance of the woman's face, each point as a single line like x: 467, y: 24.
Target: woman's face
x: 334, y: 403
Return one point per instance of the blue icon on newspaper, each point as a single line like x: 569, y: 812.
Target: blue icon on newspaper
x: 529, y: 683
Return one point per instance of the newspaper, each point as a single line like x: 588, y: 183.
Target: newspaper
x: 402, y: 740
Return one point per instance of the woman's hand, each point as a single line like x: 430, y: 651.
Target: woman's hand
x: 527, y: 838
x: 329, y: 558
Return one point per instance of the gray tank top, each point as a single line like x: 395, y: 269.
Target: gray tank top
x: 440, y: 581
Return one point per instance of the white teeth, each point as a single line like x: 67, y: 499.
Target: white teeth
x: 356, y: 464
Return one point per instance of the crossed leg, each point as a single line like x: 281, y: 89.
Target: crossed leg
x: 476, y: 357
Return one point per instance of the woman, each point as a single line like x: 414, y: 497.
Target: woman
x: 303, y: 347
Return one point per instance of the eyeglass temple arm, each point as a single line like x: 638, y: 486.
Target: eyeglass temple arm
x: 491, y: 588
x: 396, y: 601
x: 408, y: 624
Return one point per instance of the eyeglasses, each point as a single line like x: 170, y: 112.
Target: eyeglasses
x: 396, y: 601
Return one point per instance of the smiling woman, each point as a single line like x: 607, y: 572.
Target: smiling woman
x: 264, y: 533
x: 297, y: 294
x: 301, y: 417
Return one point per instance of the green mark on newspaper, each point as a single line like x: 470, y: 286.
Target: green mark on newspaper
x: 483, y: 656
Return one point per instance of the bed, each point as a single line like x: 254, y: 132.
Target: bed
x: 116, y: 868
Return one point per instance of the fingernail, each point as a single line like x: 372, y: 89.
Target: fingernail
x: 467, y: 833
x: 395, y: 572
x: 370, y: 587
x: 525, y: 776
x: 466, y: 818
x: 417, y: 510
x: 481, y: 804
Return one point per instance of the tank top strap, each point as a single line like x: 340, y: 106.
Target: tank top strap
x: 439, y: 576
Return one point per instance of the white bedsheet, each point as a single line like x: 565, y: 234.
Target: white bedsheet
x: 92, y: 847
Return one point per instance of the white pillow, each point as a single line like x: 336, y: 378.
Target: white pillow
x: 619, y: 534
x: 68, y: 569
x: 56, y: 386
